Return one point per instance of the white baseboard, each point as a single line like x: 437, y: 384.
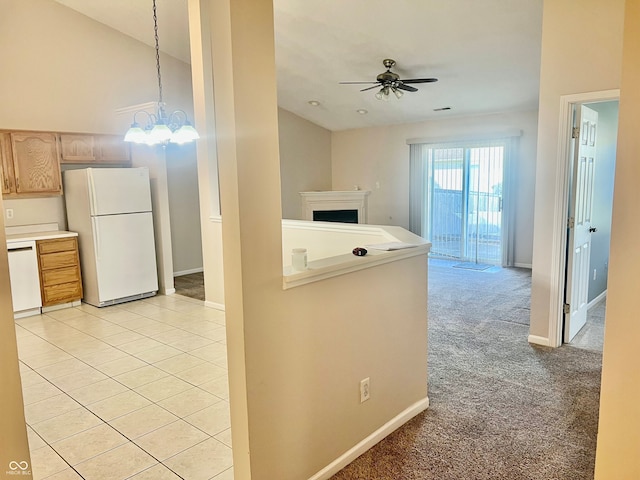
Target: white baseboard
x: 536, y: 340
x: 597, y: 300
x: 169, y: 291
x: 188, y: 272
x: 523, y: 265
x: 27, y: 313
x: 368, y: 442
x: 217, y: 306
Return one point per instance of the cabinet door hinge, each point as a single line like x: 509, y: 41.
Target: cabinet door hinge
x: 575, y: 133
x: 571, y: 222
x: 566, y: 309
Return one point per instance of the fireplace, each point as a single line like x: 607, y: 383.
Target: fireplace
x: 343, y: 216
x: 346, y: 206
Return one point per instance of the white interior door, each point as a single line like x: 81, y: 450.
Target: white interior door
x: 580, y: 228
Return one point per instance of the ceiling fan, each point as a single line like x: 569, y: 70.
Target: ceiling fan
x: 391, y: 82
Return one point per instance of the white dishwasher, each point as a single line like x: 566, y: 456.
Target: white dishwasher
x: 25, y: 277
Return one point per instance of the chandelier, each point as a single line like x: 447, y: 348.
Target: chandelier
x: 160, y: 127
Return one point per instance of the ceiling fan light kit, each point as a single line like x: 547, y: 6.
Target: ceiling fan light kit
x: 161, y: 128
x: 390, y: 82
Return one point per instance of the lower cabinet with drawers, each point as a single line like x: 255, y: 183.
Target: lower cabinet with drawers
x: 59, y: 265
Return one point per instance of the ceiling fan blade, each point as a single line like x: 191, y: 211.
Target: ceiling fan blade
x: 369, y: 88
x: 356, y: 83
x: 419, y: 80
x: 408, y: 88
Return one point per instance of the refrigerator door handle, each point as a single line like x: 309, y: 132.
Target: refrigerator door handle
x: 92, y: 190
x: 96, y: 238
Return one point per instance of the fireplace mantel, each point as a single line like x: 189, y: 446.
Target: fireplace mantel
x: 338, y: 200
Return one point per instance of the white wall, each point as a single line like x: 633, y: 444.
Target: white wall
x: 619, y: 421
x: 29, y: 211
x: 603, y: 195
x: 207, y: 150
x: 305, y: 160
x: 305, y: 165
x: 13, y: 432
x: 70, y: 73
x: 581, y: 52
x: 305, y: 156
x: 293, y: 371
x: 369, y: 157
x: 184, y: 208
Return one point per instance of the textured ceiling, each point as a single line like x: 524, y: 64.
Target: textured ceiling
x: 486, y: 54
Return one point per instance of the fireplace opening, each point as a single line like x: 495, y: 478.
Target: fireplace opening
x: 342, y: 216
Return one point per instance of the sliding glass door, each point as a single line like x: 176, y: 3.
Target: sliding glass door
x: 446, y: 187
x: 464, y: 202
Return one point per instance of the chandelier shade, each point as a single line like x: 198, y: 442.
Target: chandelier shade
x: 160, y: 128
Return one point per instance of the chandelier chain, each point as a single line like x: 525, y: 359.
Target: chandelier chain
x: 161, y: 128
x: 155, y: 30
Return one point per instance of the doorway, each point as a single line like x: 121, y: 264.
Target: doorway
x: 583, y: 327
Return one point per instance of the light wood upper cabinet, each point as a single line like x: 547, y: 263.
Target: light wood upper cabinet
x: 6, y: 163
x: 90, y: 149
x: 77, y: 148
x: 36, y: 165
x: 30, y: 161
x: 113, y: 149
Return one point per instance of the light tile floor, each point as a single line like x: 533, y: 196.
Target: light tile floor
x: 137, y: 390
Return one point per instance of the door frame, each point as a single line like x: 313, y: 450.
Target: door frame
x: 561, y: 208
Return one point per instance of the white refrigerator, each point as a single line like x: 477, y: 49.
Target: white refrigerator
x: 110, y: 208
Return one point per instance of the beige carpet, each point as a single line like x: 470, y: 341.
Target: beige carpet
x: 501, y: 409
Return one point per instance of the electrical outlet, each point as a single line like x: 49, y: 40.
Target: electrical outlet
x: 365, y: 392
x: 9, y: 213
